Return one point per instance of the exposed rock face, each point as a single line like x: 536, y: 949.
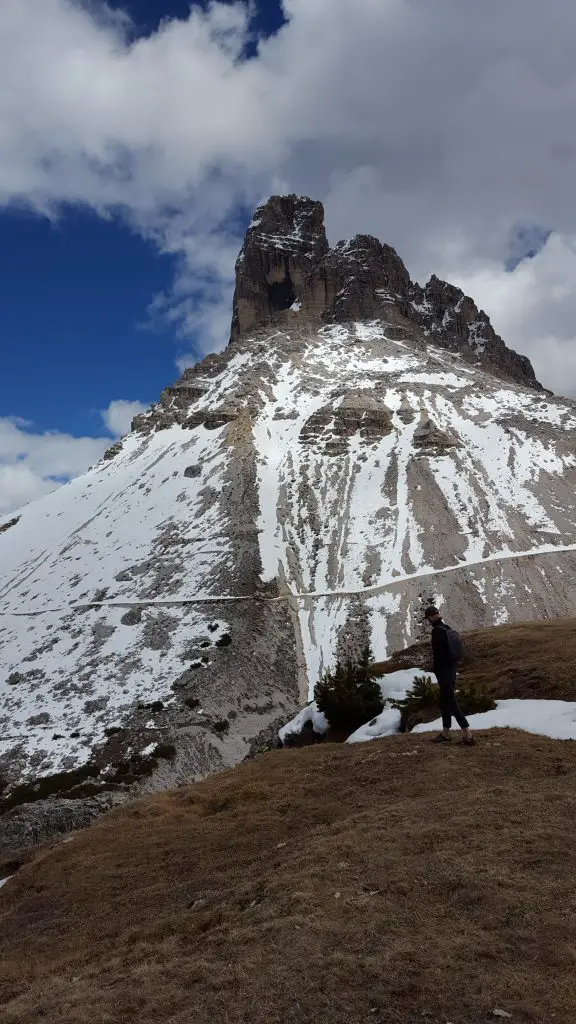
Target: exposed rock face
x: 113, y: 450
x: 286, y: 270
x: 452, y: 319
x: 428, y: 435
x: 173, y: 407
x: 274, y: 271
x: 361, y: 277
x: 358, y: 413
x: 11, y: 522
x: 406, y: 412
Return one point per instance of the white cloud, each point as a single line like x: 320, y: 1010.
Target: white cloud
x: 439, y: 127
x: 34, y: 463
x: 31, y: 464
x: 93, y: 116
x: 19, y: 485
x: 118, y: 416
x: 534, y: 308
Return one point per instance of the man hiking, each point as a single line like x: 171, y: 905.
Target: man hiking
x: 446, y: 653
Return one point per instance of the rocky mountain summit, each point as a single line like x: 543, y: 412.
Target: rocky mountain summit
x: 361, y: 445
x: 288, y: 278
x: 286, y: 266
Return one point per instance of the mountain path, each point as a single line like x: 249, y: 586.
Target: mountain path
x: 379, y: 588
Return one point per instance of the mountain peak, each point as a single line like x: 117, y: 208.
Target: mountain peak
x: 287, y: 276
x: 288, y: 222
x: 452, y: 320
x: 285, y: 237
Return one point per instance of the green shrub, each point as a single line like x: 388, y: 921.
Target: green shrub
x: 474, y: 698
x: 421, y: 699
x: 349, y: 696
x: 422, y: 702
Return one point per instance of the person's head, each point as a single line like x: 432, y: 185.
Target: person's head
x: 432, y: 615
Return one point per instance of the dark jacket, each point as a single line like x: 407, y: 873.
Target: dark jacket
x: 441, y: 658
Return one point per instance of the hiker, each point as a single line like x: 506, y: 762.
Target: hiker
x: 446, y: 653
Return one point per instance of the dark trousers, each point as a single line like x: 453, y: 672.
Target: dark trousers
x: 449, y: 705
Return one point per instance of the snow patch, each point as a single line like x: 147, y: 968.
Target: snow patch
x: 553, y: 718
x: 447, y: 380
x: 392, y: 687
x: 386, y: 724
x: 308, y: 714
x: 422, y: 307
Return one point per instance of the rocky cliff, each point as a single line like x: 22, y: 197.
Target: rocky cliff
x: 287, y: 268
x: 361, y: 445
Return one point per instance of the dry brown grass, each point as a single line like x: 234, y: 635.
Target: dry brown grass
x: 529, y: 660
x: 393, y: 882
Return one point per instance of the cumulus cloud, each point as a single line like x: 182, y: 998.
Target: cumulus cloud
x: 535, y: 308
x: 32, y: 463
x: 443, y: 128
x: 118, y: 416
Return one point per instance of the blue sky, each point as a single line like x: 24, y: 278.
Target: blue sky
x: 75, y: 294
x: 146, y: 15
x: 141, y: 133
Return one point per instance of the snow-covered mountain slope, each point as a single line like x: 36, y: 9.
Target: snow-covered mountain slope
x: 303, y: 491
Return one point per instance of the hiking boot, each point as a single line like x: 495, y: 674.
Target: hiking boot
x: 441, y: 738
x: 467, y: 742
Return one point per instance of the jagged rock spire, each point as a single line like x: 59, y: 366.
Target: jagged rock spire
x: 286, y: 237
x: 287, y: 276
x: 451, y: 319
x: 286, y: 268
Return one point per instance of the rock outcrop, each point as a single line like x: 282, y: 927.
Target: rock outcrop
x: 358, y: 413
x: 287, y: 276
x: 289, y: 282
x: 9, y: 524
x: 451, y: 319
x: 275, y: 269
x: 428, y: 435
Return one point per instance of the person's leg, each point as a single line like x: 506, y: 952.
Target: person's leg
x: 458, y: 713
x: 456, y: 710
x: 445, y: 703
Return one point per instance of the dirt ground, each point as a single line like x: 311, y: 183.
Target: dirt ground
x: 393, y: 881
x: 529, y: 660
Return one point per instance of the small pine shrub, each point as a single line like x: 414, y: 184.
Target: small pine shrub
x: 350, y: 695
x: 422, y: 702
x: 474, y: 698
x: 422, y: 698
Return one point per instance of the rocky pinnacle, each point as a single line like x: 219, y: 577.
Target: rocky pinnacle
x: 287, y: 275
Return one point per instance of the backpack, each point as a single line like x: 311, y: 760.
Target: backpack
x: 454, y: 644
